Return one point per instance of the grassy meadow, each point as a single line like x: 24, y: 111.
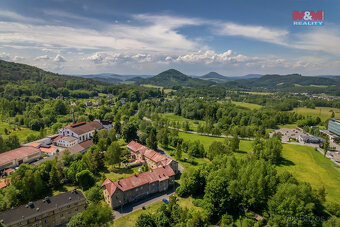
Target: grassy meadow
x: 21, y: 133
x: 322, y: 112
x: 251, y: 106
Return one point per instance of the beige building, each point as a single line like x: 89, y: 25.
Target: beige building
x: 134, y: 188
x: 48, y: 212
x: 152, y: 158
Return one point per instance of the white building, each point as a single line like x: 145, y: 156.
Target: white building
x: 82, y: 131
x: 66, y: 141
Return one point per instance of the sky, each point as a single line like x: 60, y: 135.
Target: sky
x: 146, y: 37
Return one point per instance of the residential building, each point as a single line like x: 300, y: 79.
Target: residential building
x: 81, y: 147
x: 334, y: 126
x: 152, y: 158
x: 134, y: 188
x: 51, y: 211
x: 14, y: 158
x: 49, y: 150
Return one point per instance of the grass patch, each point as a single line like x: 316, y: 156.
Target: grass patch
x: 120, y: 173
x: 288, y: 126
x: 130, y: 219
x: 311, y: 166
x: 21, y: 134
x: 193, y: 124
x: 251, y: 106
x: 322, y: 112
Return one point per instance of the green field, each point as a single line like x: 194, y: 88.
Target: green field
x: 166, y: 91
x: 311, y: 166
x: 120, y: 173
x: 193, y: 124
x: 306, y: 164
x: 21, y: 134
x: 251, y: 106
x: 322, y: 112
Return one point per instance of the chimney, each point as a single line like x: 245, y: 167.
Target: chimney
x: 74, y: 120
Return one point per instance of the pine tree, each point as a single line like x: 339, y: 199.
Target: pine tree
x: 95, y: 138
x: 178, y: 152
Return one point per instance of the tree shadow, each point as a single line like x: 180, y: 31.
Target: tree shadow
x: 285, y: 162
x: 241, y: 152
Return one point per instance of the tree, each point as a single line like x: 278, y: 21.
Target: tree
x: 163, y: 137
x: 113, y: 153
x: 3, y: 146
x: 85, y: 179
x: 97, y: 214
x: 60, y: 108
x: 95, y: 137
x: 178, y: 152
x: 326, y: 145
x: 117, y: 127
x: 235, y: 143
x: 151, y: 141
x: 12, y: 142
x: 54, y: 177
x: 129, y: 132
x: 76, y: 167
x: 76, y: 221
x: 216, y: 148
x: 145, y: 220
x: 94, y: 194
x: 94, y: 158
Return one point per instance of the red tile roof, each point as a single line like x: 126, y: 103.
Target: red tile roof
x: 84, y: 127
x: 3, y: 184
x: 158, y: 174
x: 9, y: 170
x: 49, y: 149
x: 35, y: 144
x: 149, y: 153
x: 18, y: 153
x: 80, y: 147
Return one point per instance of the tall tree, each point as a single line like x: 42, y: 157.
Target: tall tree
x: 95, y: 137
x: 326, y: 145
x: 113, y: 154
x: 151, y: 141
x: 129, y: 132
x: 178, y: 152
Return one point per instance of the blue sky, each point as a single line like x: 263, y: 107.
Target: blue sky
x: 150, y: 36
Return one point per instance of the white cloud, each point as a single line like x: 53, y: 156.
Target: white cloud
x: 17, y: 17
x: 59, y: 58
x: 18, y: 58
x: 5, y: 56
x: 271, y: 35
x: 43, y: 57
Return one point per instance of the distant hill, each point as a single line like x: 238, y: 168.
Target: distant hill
x: 111, y: 77
x: 282, y: 81
x: 26, y: 74
x: 172, y: 78
x: 214, y: 77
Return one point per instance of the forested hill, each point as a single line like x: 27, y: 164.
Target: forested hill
x: 11, y: 72
x: 292, y: 82
x: 20, y: 81
x: 171, y: 78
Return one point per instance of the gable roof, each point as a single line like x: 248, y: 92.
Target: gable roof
x: 147, y: 152
x: 84, y: 127
x: 158, y: 174
x: 18, y: 153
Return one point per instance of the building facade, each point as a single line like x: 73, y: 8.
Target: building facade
x: 137, y: 187
x: 14, y: 158
x: 48, y: 212
x: 152, y: 158
x: 334, y: 126
x: 82, y: 131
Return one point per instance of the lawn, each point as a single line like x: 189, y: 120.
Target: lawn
x: 311, y: 166
x: 130, y: 219
x: 322, y: 112
x: 251, y: 106
x: 166, y: 91
x: 120, y: 173
x: 21, y: 134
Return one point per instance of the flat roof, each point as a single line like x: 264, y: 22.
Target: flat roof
x: 19, y: 153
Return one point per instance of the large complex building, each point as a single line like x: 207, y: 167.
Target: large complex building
x: 48, y: 212
x: 152, y: 158
x: 121, y: 192
x: 81, y: 131
x: 334, y: 126
x: 14, y: 158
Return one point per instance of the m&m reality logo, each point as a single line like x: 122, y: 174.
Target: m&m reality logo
x: 308, y: 18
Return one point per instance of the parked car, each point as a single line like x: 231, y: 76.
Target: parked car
x: 165, y: 201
